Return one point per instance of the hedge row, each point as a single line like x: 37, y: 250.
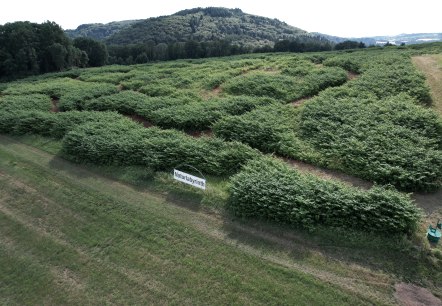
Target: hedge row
x: 202, y: 115
x: 270, y: 129
x: 123, y: 142
x: 268, y: 189
x: 393, y: 141
x: 12, y: 103
x: 293, y: 84
x: 55, y: 125
x: 384, y: 74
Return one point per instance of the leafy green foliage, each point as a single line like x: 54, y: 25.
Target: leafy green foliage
x: 361, y: 127
x: 55, y: 125
x: 388, y: 141
x: 76, y: 96
x: 293, y: 84
x: 25, y: 102
x: 270, y: 190
x: 123, y: 142
x: 28, y: 48
x: 201, y: 115
x: 95, y: 50
x: 270, y: 129
x: 203, y: 25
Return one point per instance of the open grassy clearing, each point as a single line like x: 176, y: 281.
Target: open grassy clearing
x: 118, y: 240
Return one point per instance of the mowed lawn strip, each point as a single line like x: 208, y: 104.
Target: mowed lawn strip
x: 65, y: 242
x: 431, y: 66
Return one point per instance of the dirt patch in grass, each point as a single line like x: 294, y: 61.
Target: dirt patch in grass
x: 137, y: 118
x: 198, y: 134
x: 216, y: 91
x: 429, y: 202
x: 299, y: 102
x: 352, y: 75
x: 329, y: 174
x: 412, y: 295
x: 54, y: 102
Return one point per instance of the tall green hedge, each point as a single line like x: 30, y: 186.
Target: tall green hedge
x: 393, y: 141
x: 123, y: 142
x: 271, y: 190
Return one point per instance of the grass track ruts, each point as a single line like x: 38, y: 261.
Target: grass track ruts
x: 48, y: 180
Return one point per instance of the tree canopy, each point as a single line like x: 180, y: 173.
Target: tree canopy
x: 29, y: 48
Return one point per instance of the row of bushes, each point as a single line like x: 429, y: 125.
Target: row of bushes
x: 179, y: 113
x: 384, y: 75
x: 392, y: 141
x: 12, y: 103
x: 44, y: 123
x: 108, y: 138
x: 269, y: 189
x: 123, y: 142
x: 202, y: 115
x: 291, y: 85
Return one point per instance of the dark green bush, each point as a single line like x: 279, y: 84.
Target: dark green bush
x: 262, y: 128
x: 391, y: 80
x: 123, y: 142
x: 75, y: 98
x: 270, y: 190
x: 54, y: 125
x: 201, y: 115
x: 393, y: 141
x: 125, y: 102
x: 25, y: 102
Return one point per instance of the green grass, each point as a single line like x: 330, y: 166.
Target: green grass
x: 68, y: 241
x: 72, y: 236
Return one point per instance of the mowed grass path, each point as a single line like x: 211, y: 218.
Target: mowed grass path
x: 431, y: 66
x: 68, y: 236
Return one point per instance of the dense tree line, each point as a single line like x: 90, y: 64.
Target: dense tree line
x: 142, y: 53
x: 29, y: 48
x: 303, y: 44
x: 349, y: 44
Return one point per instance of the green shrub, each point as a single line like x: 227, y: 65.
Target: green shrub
x: 270, y: 190
x: 262, y: 128
x: 391, y: 80
x: 12, y: 103
x: 157, y: 90
x: 393, y: 141
x: 125, y: 102
x: 75, y: 98
x: 54, y: 125
x: 123, y: 142
x: 201, y: 115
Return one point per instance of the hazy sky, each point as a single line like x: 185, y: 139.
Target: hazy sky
x: 335, y: 17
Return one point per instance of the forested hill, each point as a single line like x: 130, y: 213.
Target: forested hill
x: 99, y: 31
x: 199, y: 24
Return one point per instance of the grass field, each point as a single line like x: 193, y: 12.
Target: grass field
x: 71, y: 236
x: 431, y: 66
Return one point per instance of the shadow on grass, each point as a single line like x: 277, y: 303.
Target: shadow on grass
x: 394, y: 254
x: 408, y: 259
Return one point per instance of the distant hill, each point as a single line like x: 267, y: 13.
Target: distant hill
x: 200, y: 24
x: 407, y: 39
x: 99, y: 31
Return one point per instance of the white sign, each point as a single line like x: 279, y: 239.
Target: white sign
x: 189, y: 179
